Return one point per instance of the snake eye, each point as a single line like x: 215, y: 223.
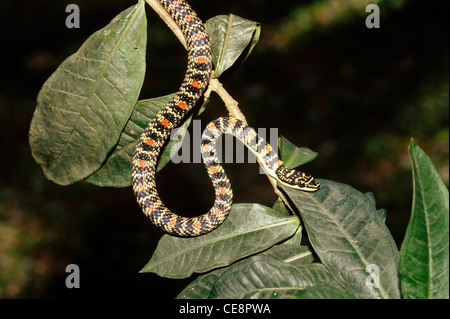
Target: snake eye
x: 307, y: 183
x: 299, y: 182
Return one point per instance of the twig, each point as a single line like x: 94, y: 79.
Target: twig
x: 230, y: 103
x: 159, y: 9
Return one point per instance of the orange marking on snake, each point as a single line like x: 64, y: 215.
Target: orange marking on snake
x: 182, y: 105
x: 232, y: 121
x: 198, y: 36
x: 201, y: 60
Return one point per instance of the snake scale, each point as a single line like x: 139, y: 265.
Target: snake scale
x: 158, y: 131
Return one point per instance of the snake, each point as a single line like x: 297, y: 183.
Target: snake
x: 158, y: 130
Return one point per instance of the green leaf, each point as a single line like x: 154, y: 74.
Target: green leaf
x: 321, y: 292
x: 294, y: 254
x: 201, y: 287
x: 424, y: 255
x: 371, y: 196
x: 381, y: 213
x: 85, y: 104
x: 281, y: 208
x: 250, y: 228
x: 116, y: 172
x: 266, y: 277
x: 232, y: 38
x: 294, y: 156
x: 350, y: 239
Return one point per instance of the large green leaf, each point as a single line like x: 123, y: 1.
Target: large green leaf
x: 424, y: 257
x: 350, y: 239
x: 231, y: 37
x: 116, y: 171
x: 250, y: 228
x: 295, y: 255
x: 268, y: 277
x: 85, y: 104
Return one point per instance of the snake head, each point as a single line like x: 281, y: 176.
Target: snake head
x: 306, y: 182
x: 296, y: 179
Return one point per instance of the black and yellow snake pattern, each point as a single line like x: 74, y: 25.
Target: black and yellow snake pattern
x: 158, y: 131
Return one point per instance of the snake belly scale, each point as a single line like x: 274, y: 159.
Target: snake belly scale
x: 159, y: 128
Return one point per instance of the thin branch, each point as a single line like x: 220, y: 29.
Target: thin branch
x: 159, y: 9
x: 230, y: 103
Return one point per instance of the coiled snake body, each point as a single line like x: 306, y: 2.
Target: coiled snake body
x: 159, y: 129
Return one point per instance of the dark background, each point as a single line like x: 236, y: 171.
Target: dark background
x: 355, y: 95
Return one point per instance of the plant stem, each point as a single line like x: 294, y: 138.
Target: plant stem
x: 230, y: 103
x: 159, y: 9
